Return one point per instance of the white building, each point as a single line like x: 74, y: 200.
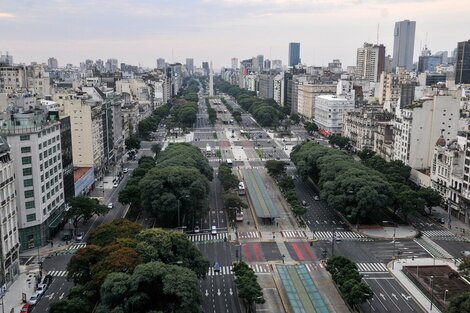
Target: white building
x: 418, y: 127
x: 329, y: 110
x: 279, y: 84
x: 370, y: 62
x: 10, y: 245
x: 34, y: 139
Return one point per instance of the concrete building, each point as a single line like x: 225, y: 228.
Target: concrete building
x: 34, y: 139
x: 361, y: 126
x: 205, y: 67
x: 10, y: 245
x: 395, y: 89
x: 161, y: 64
x: 266, y: 85
x: 12, y: 78
x: 276, y: 64
x: 329, y: 111
x: 306, y: 97
x: 190, y: 66
x: 67, y: 156
x: 417, y: 128
x: 370, y: 62
x: 403, y: 44
x: 279, y: 88
x: 294, y: 54
x: 260, y: 62
x: 267, y: 64
x: 112, y: 65
x: 383, y: 140
x: 52, y: 63
x: 175, y: 74
x: 234, y: 63
x: 462, y: 64
x: 211, y: 81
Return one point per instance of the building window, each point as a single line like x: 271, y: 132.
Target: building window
x: 25, y: 149
x: 29, y: 205
x: 29, y: 193
x: 24, y: 137
x: 30, y: 217
x: 28, y: 182
x: 27, y: 171
x: 26, y: 160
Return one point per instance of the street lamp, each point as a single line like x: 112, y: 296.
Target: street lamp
x: 432, y: 290
x: 178, y: 203
x: 445, y: 295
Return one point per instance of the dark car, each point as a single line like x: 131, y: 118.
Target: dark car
x: 66, y: 237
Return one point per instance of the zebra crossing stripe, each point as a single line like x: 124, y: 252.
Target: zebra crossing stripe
x: 207, y: 237
x: 293, y: 234
x: 58, y: 273
x: 372, y: 267
x: 438, y: 233
x: 224, y: 270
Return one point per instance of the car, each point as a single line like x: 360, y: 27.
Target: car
x: 316, y: 198
x: 304, y: 203
x: 278, y: 158
x: 214, y: 230
x: 79, y: 236
x: 34, y: 299
x: 216, y: 267
x: 269, y: 141
x: 465, y: 254
x: 26, y: 308
x: 66, y: 237
x: 41, y: 289
x: 125, y: 170
x: 47, y: 280
x: 196, y: 229
x: 338, y: 238
x: 110, y: 205
x: 116, y: 184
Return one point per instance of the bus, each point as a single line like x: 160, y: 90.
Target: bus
x: 229, y: 162
x: 241, y: 189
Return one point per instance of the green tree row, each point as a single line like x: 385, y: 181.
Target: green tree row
x: 346, y: 276
x: 150, y: 123
x: 249, y: 290
x: 127, y: 269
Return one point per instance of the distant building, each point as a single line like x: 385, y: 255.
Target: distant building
x: 403, y: 44
x: 205, y: 67
x: 266, y: 85
x: 234, y: 63
x: 462, y: 64
x: 9, y: 254
x: 67, y: 156
x: 190, y: 66
x: 12, y: 78
x: 52, y: 63
x: 6, y: 59
x: 370, y: 62
x: 161, y: 64
x: 112, y: 65
x: 260, y: 61
x: 267, y: 64
x: 329, y: 111
x: 306, y: 97
x: 294, y: 54
x: 276, y: 64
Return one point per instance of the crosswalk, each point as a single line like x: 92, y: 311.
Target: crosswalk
x: 207, y: 237
x: 293, y: 234
x: 249, y: 235
x: 346, y: 235
x: 372, y: 268
x: 77, y: 246
x: 57, y: 273
x: 437, y: 233
x: 227, y: 270
x: 313, y: 266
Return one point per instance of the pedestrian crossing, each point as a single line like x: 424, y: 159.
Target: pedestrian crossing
x: 249, y: 235
x: 372, y: 268
x: 57, y: 273
x: 227, y: 270
x: 77, y: 246
x: 437, y: 233
x: 346, y: 235
x: 207, y: 237
x: 314, y: 266
x: 293, y: 234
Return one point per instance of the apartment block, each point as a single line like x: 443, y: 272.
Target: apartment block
x: 329, y: 111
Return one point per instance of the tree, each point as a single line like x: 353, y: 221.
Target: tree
x: 295, y: 118
x: 356, y: 293
x: 311, y: 127
x: 156, y: 148
x: 228, y: 180
x: 108, y: 233
x: 298, y: 210
x: 232, y: 200
x: 275, y: 168
x: 410, y: 201
x: 459, y: 303
x: 340, y: 141
x: 73, y: 305
x: 464, y: 267
x: 82, y: 207
x: 248, y: 287
x: 365, y: 154
x: 132, y: 142
x: 431, y: 197
x: 80, y: 266
x: 286, y: 183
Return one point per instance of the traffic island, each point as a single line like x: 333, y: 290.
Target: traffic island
x: 439, y: 282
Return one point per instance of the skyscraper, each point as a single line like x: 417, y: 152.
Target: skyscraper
x: 260, y: 59
x: 403, y: 44
x: 370, y: 62
x: 462, y: 63
x: 234, y: 63
x: 161, y: 63
x: 205, y: 66
x: 190, y: 66
x: 52, y: 63
x: 294, y: 53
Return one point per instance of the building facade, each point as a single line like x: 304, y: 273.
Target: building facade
x: 462, y: 64
x: 370, y: 62
x: 294, y: 54
x: 329, y: 111
x: 403, y: 44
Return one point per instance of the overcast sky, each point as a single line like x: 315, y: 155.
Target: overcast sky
x: 140, y: 31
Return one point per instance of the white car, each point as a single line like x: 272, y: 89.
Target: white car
x: 214, y: 230
x: 34, y: 298
x: 115, y: 185
x: 79, y: 236
x: 125, y: 170
x: 110, y: 205
x: 196, y: 229
x: 41, y: 289
x: 316, y: 198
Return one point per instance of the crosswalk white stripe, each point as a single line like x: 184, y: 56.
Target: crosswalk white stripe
x: 372, y: 267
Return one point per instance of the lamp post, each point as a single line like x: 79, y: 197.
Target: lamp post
x: 432, y: 290
x: 445, y: 295
x: 178, y: 203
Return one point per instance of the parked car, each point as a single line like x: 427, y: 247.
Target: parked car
x: 41, y: 289
x: 47, y: 280
x: 116, y: 184
x: 34, y: 298
x: 465, y: 254
x: 79, y: 236
x: 214, y: 230
x: 110, y: 205
x: 196, y: 229
x: 217, y: 267
x: 125, y: 170
x: 26, y: 308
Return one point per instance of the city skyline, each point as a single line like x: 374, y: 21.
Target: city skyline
x: 141, y: 34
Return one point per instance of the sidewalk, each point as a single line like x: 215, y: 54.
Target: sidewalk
x: 381, y: 232
x: 24, y: 284
x: 455, y: 225
x: 395, y: 268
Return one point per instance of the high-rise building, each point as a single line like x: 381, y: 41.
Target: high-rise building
x: 211, y: 81
x: 161, y: 63
x: 234, y: 63
x: 34, y: 139
x: 266, y: 85
x: 112, y: 65
x: 403, y: 44
x: 276, y: 64
x: 370, y: 62
x: 267, y: 64
x: 190, y: 66
x: 9, y: 254
x: 6, y: 59
x: 205, y: 67
x: 462, y: 63
x: 260, y: 61
x: 294, y: 53
x: 52, y: 63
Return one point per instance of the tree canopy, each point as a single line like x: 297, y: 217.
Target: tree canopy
x: 83, y: 208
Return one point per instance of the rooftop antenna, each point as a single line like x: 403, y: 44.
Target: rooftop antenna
x: 426, y: 41
x: 270, y: 53
x: 172, y: 56
x: 378, y: 28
